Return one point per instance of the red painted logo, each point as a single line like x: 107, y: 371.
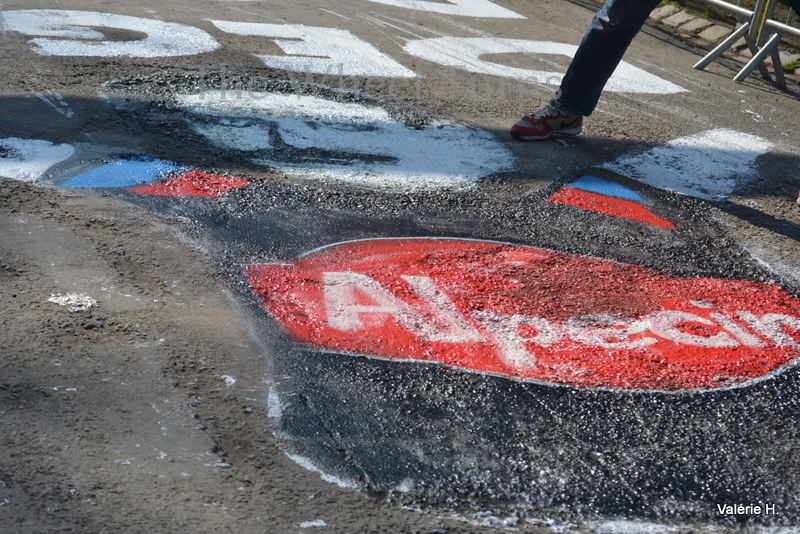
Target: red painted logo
x: 531, y: 314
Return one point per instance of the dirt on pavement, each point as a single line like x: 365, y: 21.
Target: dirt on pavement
x: 132, y: 417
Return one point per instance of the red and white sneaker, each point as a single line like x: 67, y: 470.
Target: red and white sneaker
x: 546, y: 122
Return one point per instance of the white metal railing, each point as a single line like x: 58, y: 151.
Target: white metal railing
x: 762, y: 35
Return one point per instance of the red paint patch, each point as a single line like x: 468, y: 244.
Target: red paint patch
x: 192, y: 184
x: 617, y: 207
x: 531, y: 314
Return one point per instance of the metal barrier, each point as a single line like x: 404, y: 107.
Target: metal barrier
x: 762, y: 35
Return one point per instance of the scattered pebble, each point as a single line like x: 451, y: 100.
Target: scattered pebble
x: 315, y: 523
x: 75, y: 301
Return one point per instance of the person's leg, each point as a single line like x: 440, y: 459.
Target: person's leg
x: 600, y: 51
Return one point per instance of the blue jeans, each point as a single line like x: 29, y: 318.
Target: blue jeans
x: 600, y: 51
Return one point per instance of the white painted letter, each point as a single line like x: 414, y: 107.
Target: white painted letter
x: 340, y: 301
x: 344, y: 313
x: 465, y: 53
x: 504, y: 330
x: 457, y: 329
x: 585, y: 329
x: 664, y: 324
x: 771, y: 326
x: 319, y: 50
x: 737, y: 330
x: 80, y: 39
x: 464, y: 8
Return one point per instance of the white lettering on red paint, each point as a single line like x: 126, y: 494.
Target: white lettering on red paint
x: 615, y: 334
x: 772, y: 326
x: 515, y: 336
x: 345, y: 311
x: 737, y: 330
x: 667, y: 323
x: 504, y: 330
x: 457, y: 328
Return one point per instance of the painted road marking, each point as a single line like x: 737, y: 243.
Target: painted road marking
x: 124, y: 173
x: 551, y: 317
x: 192, y: 184
x: 464, y: 8
x: 313, y: 138
x: 27, y: 160
x: 593, y: 184
x: 56, y: 102
x: 319, y: 50
x: 466, y: 53
x: 615, y: 207
x: 708, y: 165
x: 79, y: 38
x: 604, y: 196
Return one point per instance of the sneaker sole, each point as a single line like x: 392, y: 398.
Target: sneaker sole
x: 571, y: 131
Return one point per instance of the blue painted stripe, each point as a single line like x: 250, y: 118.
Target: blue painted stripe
x: 124, y: 173
x: 594, y: 184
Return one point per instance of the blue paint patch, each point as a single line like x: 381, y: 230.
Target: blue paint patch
x: 124, y: 173
x: 597, y: 185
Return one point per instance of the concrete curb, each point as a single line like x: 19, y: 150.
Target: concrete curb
x: 707, y: 33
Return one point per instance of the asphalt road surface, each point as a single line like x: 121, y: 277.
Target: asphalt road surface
x: 278, y: 267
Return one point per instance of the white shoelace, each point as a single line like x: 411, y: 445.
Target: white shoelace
x: 550, y: 110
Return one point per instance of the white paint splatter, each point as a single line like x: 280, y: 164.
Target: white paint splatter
x: 756, y: 117
x: 220, y: 464
x: 274, y: 406
x: 364, y: 145
x: 312, y: 524
x: 334, y: 13
x: 319, y: 50
x: 80, y: 38
x: 631, y: 527
x: 466, y: 53
x: 229, y: 380
x: 27, y: 160
x: 487, y: 519
x: 464, y: 8
x: 405, y: 486
x: 75, y: 301
x: 708, y: 165
x: 306, y: 463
